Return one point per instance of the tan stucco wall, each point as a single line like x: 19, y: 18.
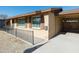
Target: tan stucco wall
x: 46, y: 24
x: 28, y: 23
x: 58, y: 24
x: 11, y: 23
x: 14, y: 23
x: 52, y: 22
x: 54, y: 25
x: 46, y: 20
x: 40, y: 34
x: 52, y: 28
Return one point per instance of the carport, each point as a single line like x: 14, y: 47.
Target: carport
x: 70, y: 21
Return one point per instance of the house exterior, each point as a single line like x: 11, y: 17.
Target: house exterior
x: 41, y: 22
x: 46, y: 23
x: 70, y: 20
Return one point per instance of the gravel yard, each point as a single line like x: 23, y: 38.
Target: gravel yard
x: 63, y: 43
x: 11, y: 44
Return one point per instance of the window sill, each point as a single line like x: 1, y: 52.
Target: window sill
x: 37, y: 28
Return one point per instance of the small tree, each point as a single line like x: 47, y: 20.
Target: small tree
x: 2, y: 16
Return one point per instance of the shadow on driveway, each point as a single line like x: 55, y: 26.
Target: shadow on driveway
x: 30, y: 50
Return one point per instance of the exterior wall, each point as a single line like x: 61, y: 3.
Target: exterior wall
x: 42, y: 26
x: 11, y: 23
x: 28, y: 24
x: 42, y: 22
x: 58, y: 24
x: 15, y: 24
x: 46, y: 26
x: 7, y: 23
x: 46, y: 20
x: 52, y: 25
x: 42, y: 33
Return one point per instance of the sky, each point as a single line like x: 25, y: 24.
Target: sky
x: 16, y: 10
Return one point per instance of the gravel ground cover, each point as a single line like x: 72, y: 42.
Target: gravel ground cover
x: 11, y: 44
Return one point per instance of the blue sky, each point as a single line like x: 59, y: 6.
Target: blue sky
x: 16, y: 10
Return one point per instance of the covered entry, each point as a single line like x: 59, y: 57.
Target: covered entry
x: 71, y: 24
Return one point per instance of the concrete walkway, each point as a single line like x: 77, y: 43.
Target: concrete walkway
x: 63, y: 43
x: 11, y: 44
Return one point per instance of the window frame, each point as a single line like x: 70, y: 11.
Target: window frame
x: 20, y: 25
x: 38, y: 26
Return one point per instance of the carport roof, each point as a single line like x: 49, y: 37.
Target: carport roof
x: 74, y: 13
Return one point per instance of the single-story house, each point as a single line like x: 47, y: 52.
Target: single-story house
x: 46, y: 23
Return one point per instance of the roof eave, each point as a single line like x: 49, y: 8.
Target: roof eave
x: 53, y: 10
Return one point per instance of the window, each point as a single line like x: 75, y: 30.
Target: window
x: 21, y: 23
x: 36, y: 22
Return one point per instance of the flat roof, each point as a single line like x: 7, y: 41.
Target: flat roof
x: 73, y: 11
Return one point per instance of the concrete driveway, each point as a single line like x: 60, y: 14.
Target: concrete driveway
x: 63, y: 43
x: 11, y: 44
